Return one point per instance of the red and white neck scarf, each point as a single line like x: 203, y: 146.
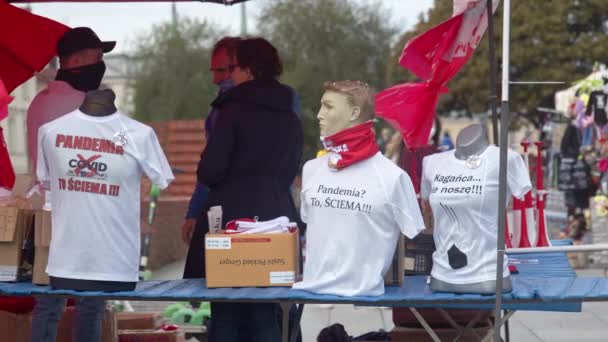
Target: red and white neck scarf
x: 351, y: 145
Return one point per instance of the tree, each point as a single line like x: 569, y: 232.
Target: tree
x: 323, y: 40
x: 172, y: 80
x: 550, y: 41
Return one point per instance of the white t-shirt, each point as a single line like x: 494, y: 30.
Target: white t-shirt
x: 354, y: 218
x: 464, y: 202
x: 96, y: 192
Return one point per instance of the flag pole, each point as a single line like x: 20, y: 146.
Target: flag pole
x: 492, y: 61
x: 502, y: 174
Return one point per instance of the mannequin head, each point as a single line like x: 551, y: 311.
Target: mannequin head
x: 345, y: 104
x: 471, y: 140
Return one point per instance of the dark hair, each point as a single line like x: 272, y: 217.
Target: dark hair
x: 333, y: 333
x: 260, y: 57
x: 228, y: 43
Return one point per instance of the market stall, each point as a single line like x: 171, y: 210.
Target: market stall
x: 545, y: 282
x: 531, y: 290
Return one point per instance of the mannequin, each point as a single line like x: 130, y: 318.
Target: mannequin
x: 355, y: 201
x: 471, y: 142
x: 340, y: 111
x: 97, y: 103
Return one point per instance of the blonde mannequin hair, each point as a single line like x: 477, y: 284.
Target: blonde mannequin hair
x: 359, y: 94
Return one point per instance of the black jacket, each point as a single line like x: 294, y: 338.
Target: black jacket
x: 250, y: 161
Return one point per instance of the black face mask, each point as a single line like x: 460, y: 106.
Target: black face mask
x: 84, y: 78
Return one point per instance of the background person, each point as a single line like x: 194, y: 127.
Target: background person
x: 249, y: 165
x: 81, y: 63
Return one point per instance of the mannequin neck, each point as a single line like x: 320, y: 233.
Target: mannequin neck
x: 472, y: 140
x: 350, y: 125
x: 99, y: 103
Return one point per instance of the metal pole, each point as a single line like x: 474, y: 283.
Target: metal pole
x: 492, y: 61
x: 551, y: 249
x: 502, y: 174
x: 537, y: 82
x: 243, y: 19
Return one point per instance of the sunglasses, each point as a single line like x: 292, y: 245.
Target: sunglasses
x: 230, y: 68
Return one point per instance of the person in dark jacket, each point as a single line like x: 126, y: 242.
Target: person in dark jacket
x: 249, y: 165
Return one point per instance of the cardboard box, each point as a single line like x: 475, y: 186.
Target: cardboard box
x: 139, y: 320
x: 16, y: 244
x: 250, y: 260
x: 23, y: 182
x: 150, y: 336
x: 394, y: 275
x: 419, y: 254
x: 15, y: 327
x: 400, y: 334
x: 403, y: 317
x: 108, y: 326
x: 42, y: 240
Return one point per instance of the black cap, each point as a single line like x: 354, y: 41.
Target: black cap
x: 81, y: 38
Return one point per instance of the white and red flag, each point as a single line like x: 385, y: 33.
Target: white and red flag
x: 435, y: 57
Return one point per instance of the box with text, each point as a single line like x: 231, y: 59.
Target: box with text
x: 250, y: 260
x: 42, y: 241
x: 16, y: 243
x: 394, y: 275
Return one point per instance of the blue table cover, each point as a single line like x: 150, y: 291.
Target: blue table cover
x: 545, y: 282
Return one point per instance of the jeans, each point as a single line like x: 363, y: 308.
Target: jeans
x: 86, y: 325
x: 252, y: 322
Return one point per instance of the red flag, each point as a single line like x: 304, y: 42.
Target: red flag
x: 27, y: 44
x: 434, y: 56
x: 5, y: 99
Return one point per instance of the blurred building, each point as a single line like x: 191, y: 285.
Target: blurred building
x: 120, y: 77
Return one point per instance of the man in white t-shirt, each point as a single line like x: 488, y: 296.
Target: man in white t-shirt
x: 355, y: 201
x: 80, y: 54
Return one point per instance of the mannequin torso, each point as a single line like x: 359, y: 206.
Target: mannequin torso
x: 97, y: 103
x: 471, y: 142
x: 358, y: 190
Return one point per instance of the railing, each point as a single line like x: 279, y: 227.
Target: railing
x: 577, y: 248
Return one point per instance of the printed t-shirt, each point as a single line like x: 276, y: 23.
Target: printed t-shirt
x: 96, y: 192
x: 354, y: 219
x: 464, y: 202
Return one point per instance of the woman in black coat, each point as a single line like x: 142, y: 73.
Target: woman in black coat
x: 249, y: 165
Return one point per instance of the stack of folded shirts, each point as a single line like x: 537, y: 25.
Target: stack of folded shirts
x: 278, y: 225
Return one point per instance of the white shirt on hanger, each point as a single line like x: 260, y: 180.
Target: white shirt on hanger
x: 94, y: 167
x: 464, y: 201
x: 354, y: 218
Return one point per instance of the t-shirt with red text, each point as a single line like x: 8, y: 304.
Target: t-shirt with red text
x: 94, y: 166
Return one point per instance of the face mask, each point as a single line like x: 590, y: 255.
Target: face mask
x: 226, y: 84
x: 84, y: 78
